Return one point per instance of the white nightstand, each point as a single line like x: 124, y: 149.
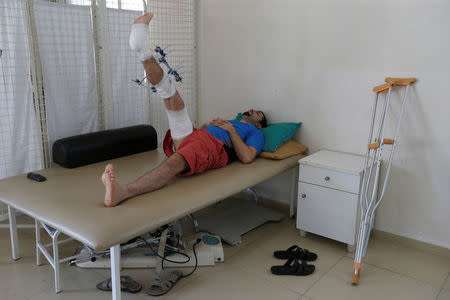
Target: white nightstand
x: 328, y: 195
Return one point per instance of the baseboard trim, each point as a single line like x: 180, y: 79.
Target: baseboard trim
x: 405, y: 241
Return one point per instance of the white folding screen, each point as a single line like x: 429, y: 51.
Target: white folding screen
x: 129, y: 103
x: 65, y: 40
x: 49, y: 72
x: 19, y: 135
x: 173, y: 28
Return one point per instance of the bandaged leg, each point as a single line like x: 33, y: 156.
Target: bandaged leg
x: 139, y: 37
x: 179, y: 123
x: 140, y: 42
x: 165, y: 88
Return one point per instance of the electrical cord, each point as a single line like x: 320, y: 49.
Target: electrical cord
x: 178, y: 241
x: 164, y: 257
x: 196, y: 259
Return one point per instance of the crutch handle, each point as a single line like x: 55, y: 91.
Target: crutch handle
x: 382, y: 88
x: 400, y: 81
x: 374, y: 146
x: 377, y: 144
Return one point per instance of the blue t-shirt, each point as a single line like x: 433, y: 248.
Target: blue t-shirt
x: 251, y: 135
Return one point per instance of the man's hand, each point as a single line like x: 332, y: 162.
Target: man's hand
x: 224, y: 124
x: 246, y: 154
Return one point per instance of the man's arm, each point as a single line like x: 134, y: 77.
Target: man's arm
x: 246, y: 154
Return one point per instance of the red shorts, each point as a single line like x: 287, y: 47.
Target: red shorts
x: 201, y: 151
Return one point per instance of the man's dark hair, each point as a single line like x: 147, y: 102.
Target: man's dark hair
x: 263, y: 122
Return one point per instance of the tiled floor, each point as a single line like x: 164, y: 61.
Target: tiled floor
x: 391, y: 272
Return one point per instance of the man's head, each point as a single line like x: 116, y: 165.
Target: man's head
x: 255, y: 117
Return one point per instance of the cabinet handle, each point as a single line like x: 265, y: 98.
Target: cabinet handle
x: 303, y: 195
x: 327, y: 178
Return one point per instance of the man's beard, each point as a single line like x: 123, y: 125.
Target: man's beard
x: 248, y: 118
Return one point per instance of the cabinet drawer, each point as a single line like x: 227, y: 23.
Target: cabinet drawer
x: 327, y: 212
x: 329, y: 178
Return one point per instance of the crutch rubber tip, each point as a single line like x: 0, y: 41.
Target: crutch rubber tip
x: 355, y: 279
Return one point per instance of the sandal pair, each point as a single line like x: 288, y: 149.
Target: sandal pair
x: 296, y: 252
x: 293, y: 266
x: 160, y: 286
x: 127, y: 284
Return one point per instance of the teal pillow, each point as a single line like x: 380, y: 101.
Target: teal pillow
x: 276, y: 134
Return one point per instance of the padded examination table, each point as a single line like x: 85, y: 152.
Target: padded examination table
x: 71, y: 200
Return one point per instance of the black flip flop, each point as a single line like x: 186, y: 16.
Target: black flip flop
x: 293, y: 267
x: 295, y: 252
x: 127, y: 284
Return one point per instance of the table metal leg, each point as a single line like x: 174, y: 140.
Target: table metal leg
x: 115, y: 271
x: 38, y: 240
x: 56, y: 261
x: 13, y: 233
x: 294, y: 193
x: 253, y: 194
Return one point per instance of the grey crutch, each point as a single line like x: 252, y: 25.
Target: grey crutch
x: 368, y: 199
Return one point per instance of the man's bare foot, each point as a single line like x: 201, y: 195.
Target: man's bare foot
x: 115, y: 193
x: 145, y: 18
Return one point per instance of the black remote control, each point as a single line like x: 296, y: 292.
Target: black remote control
x: 36, y: 177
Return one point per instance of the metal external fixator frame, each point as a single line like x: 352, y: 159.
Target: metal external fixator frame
x: 161, y: 59
x: 368, y: 198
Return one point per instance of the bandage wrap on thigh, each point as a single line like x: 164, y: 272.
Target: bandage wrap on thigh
x: 140, y: 41
x: 165, y: 88
x: 179, y: 122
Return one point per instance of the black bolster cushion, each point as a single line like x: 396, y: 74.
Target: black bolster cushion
x: 80, y: 150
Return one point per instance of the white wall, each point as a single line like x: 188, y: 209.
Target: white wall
x: 316, y: 62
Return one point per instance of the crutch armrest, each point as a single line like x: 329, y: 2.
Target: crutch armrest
x: 400, y: 81
x: 382, y: 88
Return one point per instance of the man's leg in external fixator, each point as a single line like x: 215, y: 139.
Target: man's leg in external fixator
x: 179, y: 123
